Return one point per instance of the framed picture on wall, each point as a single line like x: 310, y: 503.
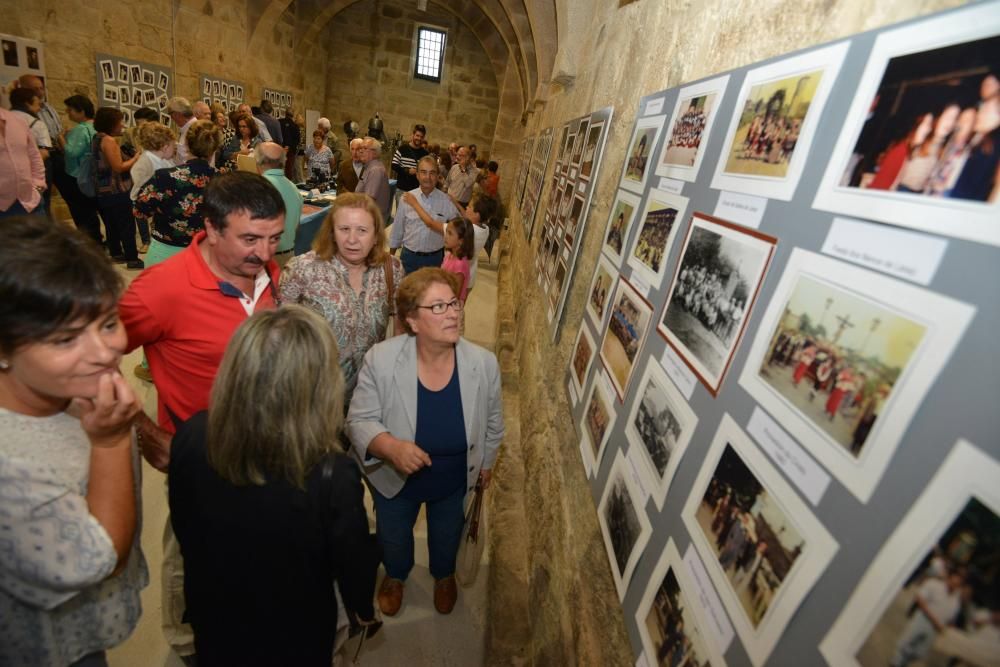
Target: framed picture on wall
x: 843, y: 358
x: 590, y: 147
x: 919, y: 146
x: 619, y: 225
x: 689, y: 128
x: 123, y: 76
x: 658, y: 226
x: 939, y: 556
x: 598, y: 418
x: 777, y: 112
x: 625, y: 334
x: 762, y: 547
x: 638, y: 163
x: 583, y: 354
x: 601, y: 289
x: 624, y: 524
x: 716, y: 283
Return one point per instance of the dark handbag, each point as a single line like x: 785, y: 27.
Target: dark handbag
x: 470, y: 550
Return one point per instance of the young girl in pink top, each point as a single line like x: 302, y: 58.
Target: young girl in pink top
x: 458, y: 244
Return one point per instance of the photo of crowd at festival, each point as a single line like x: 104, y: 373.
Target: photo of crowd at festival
x: 688, y: 130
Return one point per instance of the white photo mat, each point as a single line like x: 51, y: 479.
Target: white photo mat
x: 582, y: 338
x: 976, y: 221
x: 656, y: 200
x: 614, y: 356
x: 619, y: 477
x: 715, y: 89
x: 827, y: 59
x: 681, y: 411
x: 633, y: 201
x: 819, y: 549
x: 650, y: 127
x: 945, y: 320
x: 606, y: 272
x: 966, y: 473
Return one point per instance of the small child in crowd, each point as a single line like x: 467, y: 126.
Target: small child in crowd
x: 458, y: 245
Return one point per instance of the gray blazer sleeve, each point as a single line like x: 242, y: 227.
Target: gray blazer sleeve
x: 494, y: 419
x: 364, y: 418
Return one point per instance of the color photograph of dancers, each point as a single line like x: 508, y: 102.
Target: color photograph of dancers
x: 688, y: 130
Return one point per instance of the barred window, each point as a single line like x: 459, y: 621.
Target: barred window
x: 430, y: 54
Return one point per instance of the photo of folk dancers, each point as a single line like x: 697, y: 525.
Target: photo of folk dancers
x: 948, y: 609
x: 598, y: 416
x: 771, y: 119
x: 836, y: 357
x: 656, y: 234
x: 754, y: 541
x: 630, y: 315
x: 669, y: 626
x: 624, y: 523
x: 933, y: 128
x: 717, y: 279
x: 688, y: 130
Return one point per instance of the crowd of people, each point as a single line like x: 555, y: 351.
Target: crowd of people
x: 281, y: 383
x: 689, y: 127
x: 701, y: 292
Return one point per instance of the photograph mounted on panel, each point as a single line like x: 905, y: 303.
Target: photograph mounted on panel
x: 558, y: 278
x: 598, y: 419
x: 690, y: 127
x: 638, y: 165
x: 658, y: 226
x: 776, y: 116
x: 581, y: 137
x: 123, y: 76
x: 107, y: 71
x: 34, y: 57
x: 719, y: 274
x: 147, y: 77
x: 583, y: 354
x: 590, y: 147
x: 921, y: 144
x: 111, y: 95
x: 670, y: 621
x: 762, y: 547
x: 619, y: 225
x: 660, y: 424
x: 625, y: 334
x: 136, y: 74
x: 10, y: 56
x: 163, y: 81
x: 124, y: 96
x: 941, y: 558
x: 601, y: 289
x: 572, y: 221
x: 843, y: 358
x: 624, y: 523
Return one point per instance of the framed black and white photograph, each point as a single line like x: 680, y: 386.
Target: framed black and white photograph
x: 165, y: 119
x: 671, y: 622
x: 216, y: 86
x: 148, y: 78
x: 232, y: 90
x: 583, y: 355
x: 108, y: 71
x: 136, y: 97
x: 843, y: 358
x: 623, y: 212
x: 127, y: 117
x: 111, y: 95
x: 689, y: 127
x: 762, y: 547
x: 239, y: 92
x: 717, y: 279
x: 135, y: 74
x: 34, y: 57
x: 163, y: 82
x: 123, y: 75
x: 932, y: 594
x: 625, y: 334
x: 658, y: 225
x: 600, y: 292
x: 598, y: 419
x: 124, y: 94
x: 639, y: 158
x: 206, y: 86
x: 148, y: 97
x: 624, y: 523
x: 581, y: 137
x: 590, y: 149
x: 777, y: 112
x: 660, y: 425
x: 161, y: 102
x: 918, y: 148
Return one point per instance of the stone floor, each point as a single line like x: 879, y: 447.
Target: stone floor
x: 418, y: 635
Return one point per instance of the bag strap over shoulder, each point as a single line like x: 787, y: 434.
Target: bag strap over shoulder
x: 390, y: 284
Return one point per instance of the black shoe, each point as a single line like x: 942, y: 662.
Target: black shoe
x: 135, y: 264
x: 118, y: 259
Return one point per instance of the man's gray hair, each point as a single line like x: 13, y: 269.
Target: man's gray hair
x: 375, y: 145
x: 324, y: 123
x: 180, y: 105
x: 269, y: 155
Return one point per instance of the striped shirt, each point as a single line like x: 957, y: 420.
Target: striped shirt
x: 405, y: 158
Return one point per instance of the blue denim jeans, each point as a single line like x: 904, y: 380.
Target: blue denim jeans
x: 412, y: 261
x: 394, y: 520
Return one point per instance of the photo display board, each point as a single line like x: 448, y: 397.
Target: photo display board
x: 226, y: 92
x: 131, y: 84
x: 580, y: 147
x: 20, y: 56
x: 784, y: 383
x: 523, y: 164
x: 279, y: 99
x: 535, y: 180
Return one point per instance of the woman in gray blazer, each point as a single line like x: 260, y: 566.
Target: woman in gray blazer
x: 426, y: 423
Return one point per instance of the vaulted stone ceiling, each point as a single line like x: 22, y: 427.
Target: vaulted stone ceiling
x: 514, y: 33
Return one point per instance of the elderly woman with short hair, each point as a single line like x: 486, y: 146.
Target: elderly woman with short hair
x: 426, y: 421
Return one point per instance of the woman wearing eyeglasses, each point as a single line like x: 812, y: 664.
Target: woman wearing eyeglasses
x: 426, y: 422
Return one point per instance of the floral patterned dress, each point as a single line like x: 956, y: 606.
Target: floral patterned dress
x: 171, y: 202
x: 359, y: 319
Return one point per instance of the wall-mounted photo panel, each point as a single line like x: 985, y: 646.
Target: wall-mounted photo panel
x: 625, y: 334
x: 619, y: 225
x: 941, y: 558
x: 720, y: 272
x: 670, y: 621
x: 590, y: 150
x: 601, y: 289
x: 658, y: 225
x: 598, y: 419
x: 919, y: 146
x: 638, y: 164
x: 583, y: 354
x: 776, y: 116
x: 660, y: 424
x: 843, y: 358
x: 572, y: 219
x: 762, y: 547
x: 624, y: 523
x: 557, y: 278
x: 581, y: 137
x: 690, y: 127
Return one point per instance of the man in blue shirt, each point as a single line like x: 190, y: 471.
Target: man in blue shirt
x: 422, y: 240
x: 271, y: 165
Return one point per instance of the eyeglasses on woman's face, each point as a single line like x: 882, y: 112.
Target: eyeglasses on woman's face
x: 440, y: 307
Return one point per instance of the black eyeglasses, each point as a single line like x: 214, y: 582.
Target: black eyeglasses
x: 440, y: 307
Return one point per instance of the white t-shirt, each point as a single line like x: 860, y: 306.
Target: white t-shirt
x: 38, y: 129
x: 939, y: 601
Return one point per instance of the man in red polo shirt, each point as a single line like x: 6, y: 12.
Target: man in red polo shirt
x: 184, y: 311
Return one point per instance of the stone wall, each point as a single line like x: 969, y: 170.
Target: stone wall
x: 373, y: 43
x: 551, y: 578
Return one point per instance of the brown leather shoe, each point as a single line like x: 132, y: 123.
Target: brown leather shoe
x: 445, y: 594
x: 390, y: 596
